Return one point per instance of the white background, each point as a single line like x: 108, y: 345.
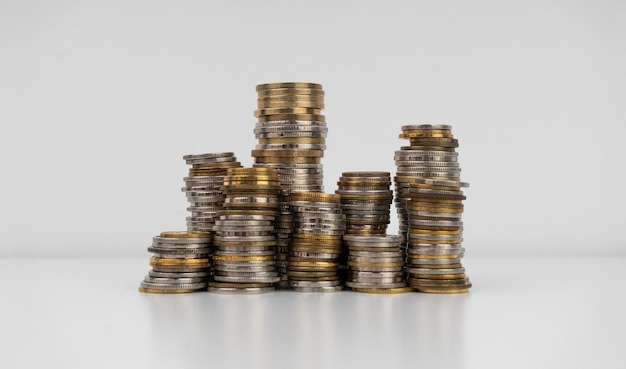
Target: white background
x: 99, y: 101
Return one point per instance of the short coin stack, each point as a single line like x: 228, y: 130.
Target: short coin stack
x: 180, y: 263
x: 428, y: 178
x: 316, y: 244
x: 244, y: 239
x: 203, y: 187
x: 365, y: 200
x: 376, y: 264
x: 291, y: 135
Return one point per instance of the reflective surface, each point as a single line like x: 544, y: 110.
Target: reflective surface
x: 521, y: 312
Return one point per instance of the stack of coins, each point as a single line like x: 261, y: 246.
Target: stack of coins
x: 376, y: 264
x: 316, y: 244
x: 291, y: 135
x: 203, y: 187
x: 365, y: 198
x: 245, y: 243
x: 435, y: 236
x: 180, y: 263
x: 428, y: 181
x: 426, y: 141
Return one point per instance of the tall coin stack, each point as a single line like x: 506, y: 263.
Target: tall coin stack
x: 316, y: 244
x: 203, y: 187
x: 291, y: 135
x: 245, y: 243
x: 376, y: 264
x: 428, y: 175
x: 180, y: 263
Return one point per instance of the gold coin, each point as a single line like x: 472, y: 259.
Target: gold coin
x: 291, y: 91
x: 155, y: 261
x: 366, y: 197
x: 315, y: 197
x: 274, y: 111
x: 153, y: 290
x: 243, y: 258
x: 305, y: 117
x: 432, y: 257
x: 434, y: 232
x: 433, y: 187
x: 254, y: 171
x: 185, y: 234
x: 438, y: 276
x: 385, y: 291
x: 317, y: 237
x: 296, y: 140
x: 420, y: 133
x: 444, y: 290
x: 440, y: 266
x: 438, y: 201
x: 289, y: 104
x: 435, y: 209
x: 275, y: 85
x: 252, y: 176
x: 290, y: 97
x: 287, y: 153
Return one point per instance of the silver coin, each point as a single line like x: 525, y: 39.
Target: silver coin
x: 435, y: 223
x: 419, y: 127
x: 313, y: 255
x: 247, y: 279
x: 181, y: 241
x: 436, y: 271
x: 179, y: 269
x: 305, y: 284
x: 314, y: 134
x: 241, y: 217
x: 154, y: 273
x: 240, y: 291
x: 317, y: 289
x: 162, y: 280
x: 244, y: 238
x: 377, y: 269
x: 376, y: 254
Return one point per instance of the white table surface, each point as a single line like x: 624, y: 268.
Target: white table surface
x: 521, y: 313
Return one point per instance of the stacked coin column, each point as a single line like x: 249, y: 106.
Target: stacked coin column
x: 244, y: 239
x: 435, y: 236
x: 365, y: 199
x: 428, y: 175
x: 316, y: 244
x: 291, y: 135
x: 413, y: 161
x: 376, y: 264
x: 203, y: 187
x: 180, y: 263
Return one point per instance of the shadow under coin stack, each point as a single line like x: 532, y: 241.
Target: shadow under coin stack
x: 180, y: 264
x: 203, y: 187
x: 291, y: 135
x: 430, y: 176
x: 245, y: 243
x: 316, y: 243
x: 376, y: 264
